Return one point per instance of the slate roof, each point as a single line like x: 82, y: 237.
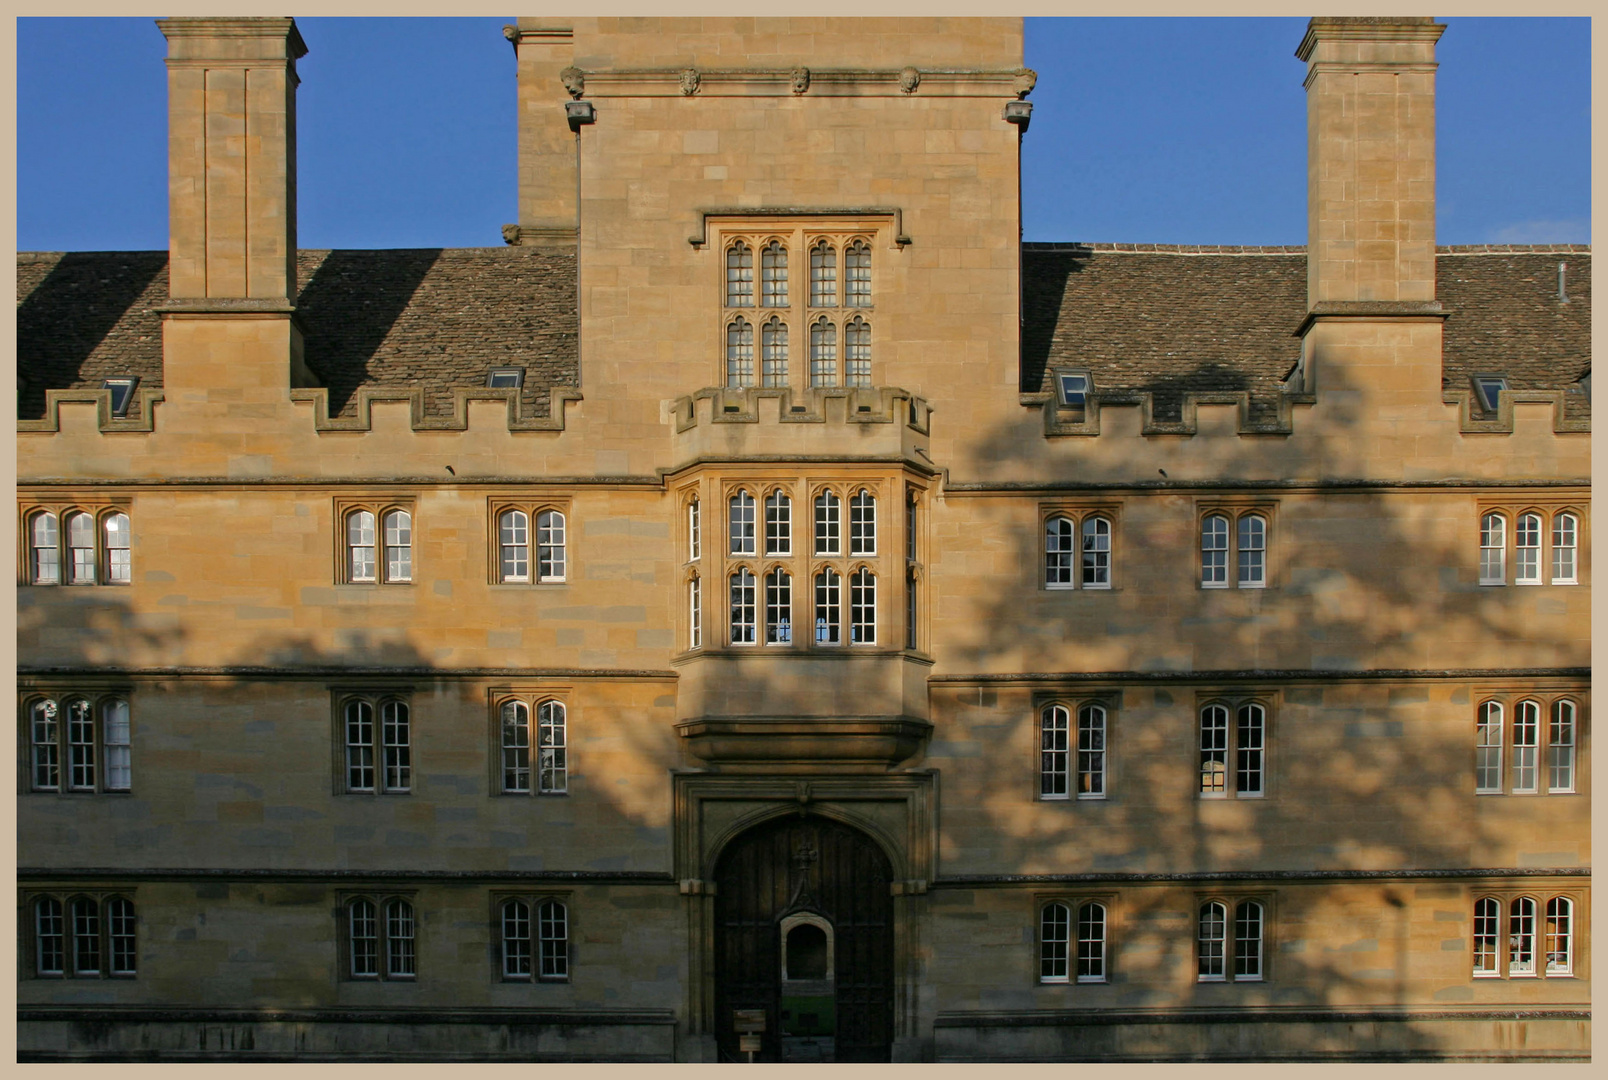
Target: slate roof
x: 1166, y: 319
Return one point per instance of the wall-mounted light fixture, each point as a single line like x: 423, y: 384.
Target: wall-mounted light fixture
x: 578, y: 113
x: 1019, y: 112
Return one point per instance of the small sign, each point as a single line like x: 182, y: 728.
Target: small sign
x: 749, y: 1044
x: 748, y: 1021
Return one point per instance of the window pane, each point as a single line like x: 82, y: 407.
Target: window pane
x: 1248, y: 941
x: 1058, y: 553
x: 516, y: 746
x: 399, y: 953
x: 120, y: 924
x: 115, y: 735
x: 1252, y: 551
x: 823, y: 275
x: 694, y: 531
x: 695, y: 604
x: 1526, y: 745
x: 1488, y: 749
x: 742, y: 608
x: 1091, y: 943
x: 45, y: 733
x: 863, y: 608
x: 1493, y: 549
x: 828, y: 610
x: 360, y: 545
x: 1096, y: 553
x: 778, y: 524
x: 857, y: 353
x: 1091, y: 751
x: 1053, y: 752
x: 773, y: 275
x: 1487, y: 914
x: 550, y: 545
x: 398, y: 752
x: 863, y: 523
x: 778, y: 608
x: 119, y: 566
x: 86, y: 936
x: 81, y: 545
x: 365, y: 939
x: 1521, y: 937
x: 1054, y: 934
x: 827, y: 522
x: 1248, y: 752
x: 398, y: 546
x: 1214, y: 750
x: 359, y: 746
x: 51, y: 940
x: 80, y: 746
x: 516, y: 939
x: 1210, y: 942
x: 741, y: 520
x: 823, y: 354
x: 773, y: 342
x: 1563, y: 549
x: 1214, y: 551
x: 1527, y: 550
x: 552, y: 744
x: 857, y: 274
x: 1560, y: 936
x: 739, y: 275
x: 1561, y: 747
x: 740, y: 353
x: 553, y: 927
x: 46, y: 550
x: 513, y: 531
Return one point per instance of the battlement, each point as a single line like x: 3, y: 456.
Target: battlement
x: 763, y: 424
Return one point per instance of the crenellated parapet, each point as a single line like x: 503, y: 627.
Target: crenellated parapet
x: 883, y: 422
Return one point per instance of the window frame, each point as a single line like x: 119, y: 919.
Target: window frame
x: 1235, y: 707
x: 381, y: 762
x: 542, y: 705
x: 101, y: 512
x: 533, y: 508
x: 66, y: 898
x: 1072, y: 958
x: 100, y: 702
x: 381, y: 507
x: 1234, y: 551
x: 381, y: 901
x: 1233, y: 903
x: 1070, y: 754
x: 1503, y: 562
x: 1076, y: 555
x: 1506, y: 900
x: 535, y: 902
x: 1503, y: 760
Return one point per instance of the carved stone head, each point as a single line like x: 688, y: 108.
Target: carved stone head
x: 689, y: 81
x: 909, y: 79
x: 801, y: 79
x: 574, y: 81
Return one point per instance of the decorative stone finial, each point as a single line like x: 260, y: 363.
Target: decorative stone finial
x: 801, y: 79
x: 689, y: 81
x: 574, y: 81
x: 1026, y: 79
x: 909, y: 79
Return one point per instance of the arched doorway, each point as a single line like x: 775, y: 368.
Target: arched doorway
x: 810, y: 872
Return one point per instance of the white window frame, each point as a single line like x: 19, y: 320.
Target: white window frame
x: 828, y: 532
x: 1055, y: 755
x: 694, y: 527
x: 1558, y: 944
x: 828, y: 584
x: 1536, y: 752
x: 389, y: 927
x: 1060, y: 552
x: 532, y: 743
x: 1231, y: 553
x: 1238, y: 748
x: 85, y: 754
x: 743, y: 587
x: 1565, y: 548
x: 862, y: 523
x: 1251, y: 553
x: 376, y: 737
x: 552, y: 548
x: 1095, y: 562
x: 1526, y: 776
x: 1489, y: 742
x: 1092, y: 750
x: 1527, y: 529
x: 1510, y: 924
x: 862, y: 606
x: 1224, y: 951
x: 529, y: 542
x: 77, y: 544
x: 533, y: 934
x: 1562, y: 735
x: 778, y: 606
x: 740, y: 524
x: 1055, y: 942
x: 1493, y: 548
x: 54, y: 945
x: 695, y: 612
x: 778, y: 524
x: 376, y: 542
x: 513, y: 546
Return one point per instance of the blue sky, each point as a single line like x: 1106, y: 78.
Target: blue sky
x: 1186, y: 131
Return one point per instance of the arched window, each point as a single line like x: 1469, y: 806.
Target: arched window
x: 81, y: 548
x: 552, y: 746
x: 694, y: 531
x: 45, y: 542
x: 1565, y: 528
x: 1091, y: 752
x: 80, y: 745
x: 1488, y: 749
x: 1248, y: 942
x: 778, y: 607
x: 396, y: 743
x: 398, y: 545
x: 553, y: 930
x: 1096, y: 553
x: 513, y: 535
x: 695, y: 612
x: 1493, y: 550
x: 119, y: 770
x: 742, y: 607
x: 550, y: 546
x: 1527, y: 550
x: 773, y: 358
x: 1252, y: 551
x: 828, y: 519
x: 1526, y: 746
x: 739, y: 353
x: 94, y: 740
x: 1091, y: 943
x: 515, y: 746
x: 1214, y: 552
x: 364, y: 939
x: 739, y: 275
x: 516, y: 950
x: 359, y: 746
x: 823, y: 275
x: 1560, y: 936
x: 741, y: 520
x: 828, y: 607
x: 1214, y: 750
x: 778, y: 523
x: 823, y: 353
x: 1249, y: 746
x: 360, y: 542
x: 1059, y: 549
x: 862, y: 607
x: 857, y: 352
x: 1055, y: 926
x: 857, y: 274
x: 399, y: 940
x: 1210, y: 942
x: 119, y: 565
x: 1053, y: 753
x: 1521, y: 937
x: 45, y: 733
x: 773, y: 275
x: 863, y: 523
x: 1561, y: 747
x: 50, y: 937
x: 1487, y: 919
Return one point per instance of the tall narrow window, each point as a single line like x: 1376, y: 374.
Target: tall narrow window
x: 1248, y: 750
x: 119, y: 564
x: 1521, y: 937
x: 1560, y: 936
x: 739, y: 353
x: 399, y: 939
x: 553, y: 928
x: 910, y: 527
x: 1526, y: 746
x: 823, y: 353
x: 513, y: 534
x: 396, y: 741
x: 1210, y: 942
x: 828, y: 512
x: 50, y: 942
x: 1527, y: 550
x: 115, y: 738
x: 550, y: 546
x: 695, y: 613
x: 778, y: 524
x: 86, y: 936
x: 1055, y: 927
x: 823, y: 275
x: 863, y: 523
x: 81, y: 546
x: 80, y: 746
x: 515, y: 746
x: 742, y: 608
x: 359, y: 746
x: 739, y: 275
x: 1493, y: 550
x: 863, y: 607
x: 1058, y: 553
x: 45, y: 541
x: 1488, y: 750
x: 360, y: 540
x: 1214, y: 750
x: 857, y: 353
x: 1561, y: 747
x: 694, y: 531
x: 1096, y: 553
x: 911, y: 594
x: 1091, y: 943
x: 740, y: 518
x: 1487, y: 919
x: 552, y: 746
x: 778, y: 608
x: 516, y: 940
x: 1091, y: 752
x: 1248, y: 941
x: 398, y: 545
x: 773, y: 353
x: 45, y: 734
x: 1252, y: 551
x: 773, y: 275
x: 1053, y: 752
x: 1564, y: 529
x: 1214, y: 552
x: 828, y: 609
x: 857, y: 274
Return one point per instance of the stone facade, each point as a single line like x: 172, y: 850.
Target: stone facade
x: 367, y: 657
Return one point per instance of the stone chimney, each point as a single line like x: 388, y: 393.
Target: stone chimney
x: 547, y: 145
x: 1370, y: 160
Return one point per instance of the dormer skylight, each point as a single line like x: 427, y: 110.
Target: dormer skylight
x: 1488, y: 387
x: 122, y: 389
x: 508, y: 378
x: 1072, y: 389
